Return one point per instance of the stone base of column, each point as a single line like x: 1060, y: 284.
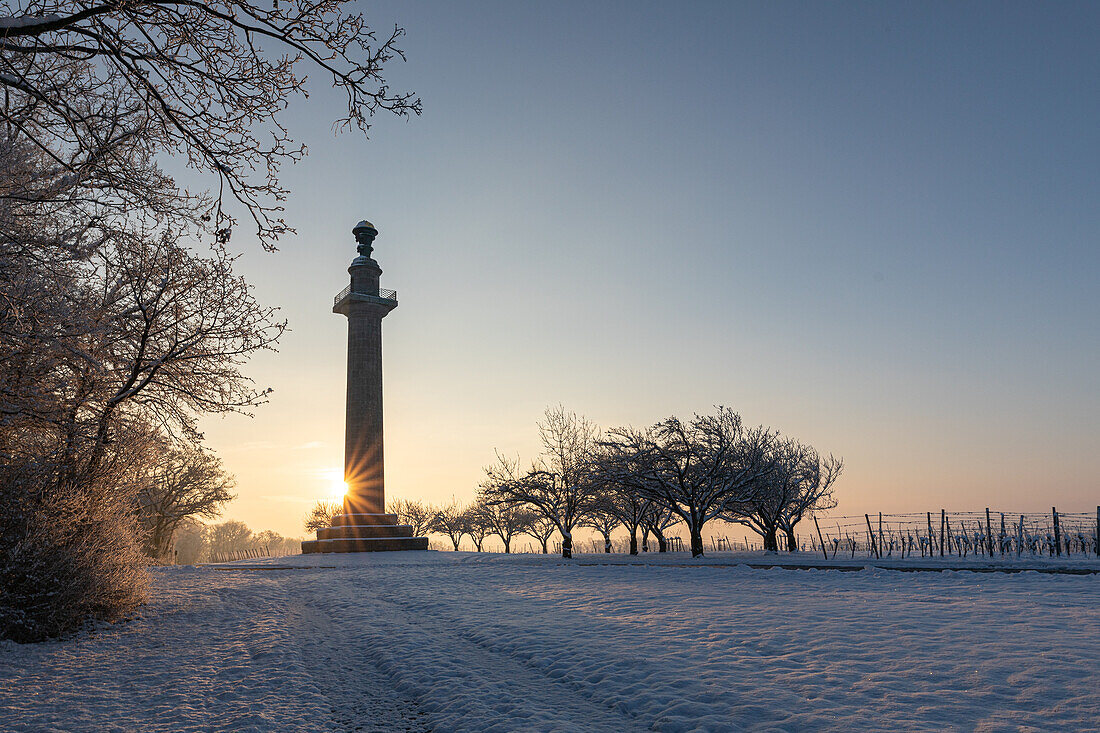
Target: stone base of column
x: 365, y: 533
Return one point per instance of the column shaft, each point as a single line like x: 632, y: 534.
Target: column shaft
x: 363, y: 444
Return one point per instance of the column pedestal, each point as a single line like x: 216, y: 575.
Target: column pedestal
x: 365, y: 533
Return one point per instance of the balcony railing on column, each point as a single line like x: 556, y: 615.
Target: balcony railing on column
x: 382, y: 294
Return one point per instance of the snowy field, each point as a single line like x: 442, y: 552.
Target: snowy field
x: 468, y: 642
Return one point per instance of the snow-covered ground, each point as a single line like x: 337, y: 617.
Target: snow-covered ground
x: 468, y: 642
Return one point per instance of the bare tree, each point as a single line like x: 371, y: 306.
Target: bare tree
x: 658, y: 519
x: 800, y: 481
x: 815, y: 493
x: 174, y: 330
x: 478, y: 524
x: 274, y: 544
x: 181, y: 482
x: 452, y: 520
x: 321, y: 515
x: 630, y: 509
x: 195, y: 542
x: 542, y: 529
x: 189, y: 543
x: 506, y: 518
x: 135, y: 328
x: 559, y: 486
x: 694, y: 469
x: 617, y: 499
x: 204, y: 81
x: 616, y: 504
x: 227, y: 537
x: 110, y: 318
x: 98, y: 343
x: 416, y: 514
x: 604, y: 520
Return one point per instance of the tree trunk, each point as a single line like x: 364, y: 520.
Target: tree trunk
x: 456, y: 542
x: 645, y: 540
x: 566, y: 545
x: 633, y: 542
x: 696, y: 541
x: 507, y: 544
x: 544, y: 550
x: 771, y: 541
x: 162, y: 538
x: 607, y: 544
x: 792, y: 543
x: 662, y: 543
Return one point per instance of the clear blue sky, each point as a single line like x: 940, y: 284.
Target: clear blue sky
x: 872, y: 226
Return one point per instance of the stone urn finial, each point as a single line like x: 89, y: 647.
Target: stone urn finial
x: 365, y: 233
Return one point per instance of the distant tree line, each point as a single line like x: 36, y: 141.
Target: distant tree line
x: 647, y: 482
x: 195, y: 542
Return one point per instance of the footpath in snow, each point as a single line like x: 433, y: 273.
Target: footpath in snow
x: 484, y: 642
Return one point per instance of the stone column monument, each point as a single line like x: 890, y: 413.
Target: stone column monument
x: 364, y: 526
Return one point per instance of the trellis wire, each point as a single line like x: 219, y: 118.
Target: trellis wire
x: 959, y: 534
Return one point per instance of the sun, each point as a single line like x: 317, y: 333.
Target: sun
x: 334, y: 482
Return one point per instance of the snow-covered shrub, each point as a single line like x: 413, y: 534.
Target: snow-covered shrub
x: 68, y: 554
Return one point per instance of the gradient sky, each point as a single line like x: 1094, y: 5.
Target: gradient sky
x: 872, y: 226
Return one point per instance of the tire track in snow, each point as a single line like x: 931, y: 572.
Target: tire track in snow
x: 460, y: 682
x: 362, y: 697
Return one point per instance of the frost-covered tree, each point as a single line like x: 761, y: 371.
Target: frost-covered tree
x: 227, y: 537
x: 478, y: 524
x: 800, y: 481
x: 506, y: 519
x: 189, y: 543
x: 416, y: 514
x: 275, y: 545
x: 616, y: 505
x: 815, y: 493
x: 68, y: 551
x: 658, y: 519
x: 602, y: 519
x: 321, y: 514
x: 112, y: 317
x: 206, y: 82
x: 451, y: 520
x: 180, y: 483
x: 694, y: 469
x: 559, y: 486
x: 109, y: 330
x: 542, y: 529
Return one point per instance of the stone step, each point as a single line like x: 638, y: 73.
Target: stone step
x: 365, y: 531
x: 363, y: 519
x: 380, y: 544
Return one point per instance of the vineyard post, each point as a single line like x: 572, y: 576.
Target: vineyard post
x: 1098, y: 531
x: 947, y: 530
x: 881, y: 539
x: 826, y: 554
x: 943, y: 524
x: 1002, y: 537
x: 988, y: 533
x: 931, y: 537
x: 1057, y: 532
x: 871, y: 536
x: 1020, y: 536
